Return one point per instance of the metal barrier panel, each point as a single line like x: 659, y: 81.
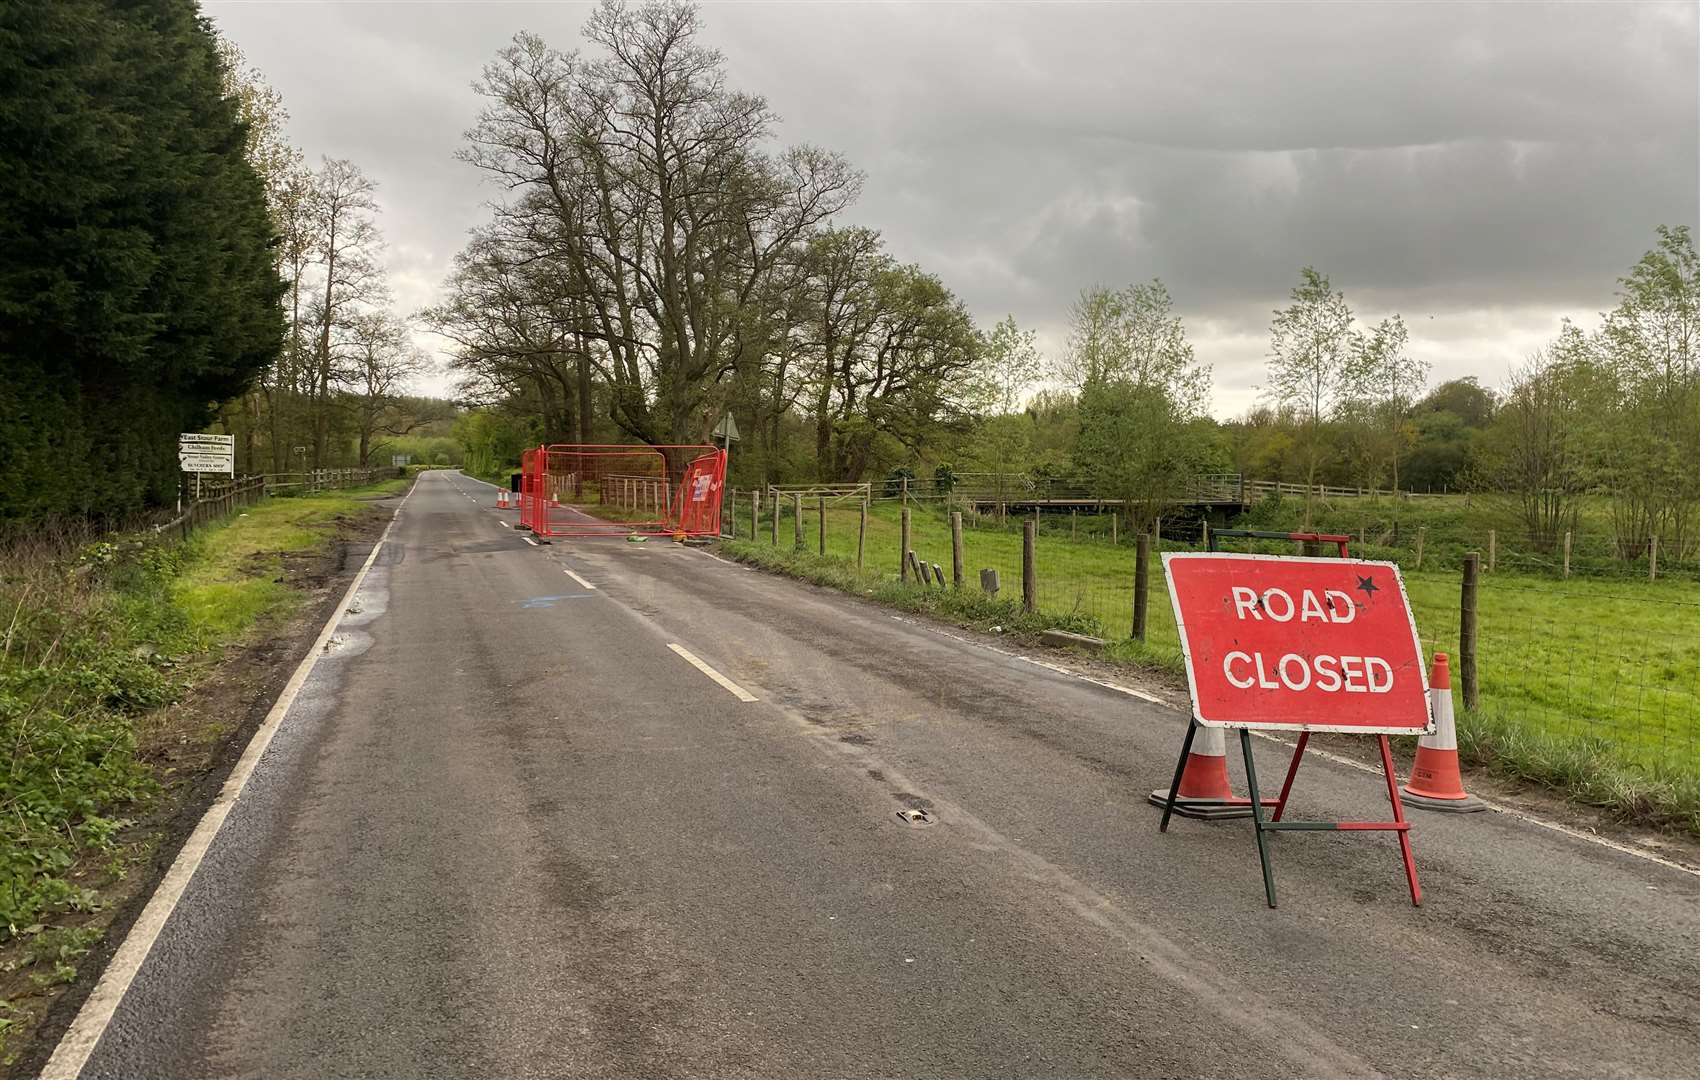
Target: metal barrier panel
x: 618, y: 490
x: 700, y: 495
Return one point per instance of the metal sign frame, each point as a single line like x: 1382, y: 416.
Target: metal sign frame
x: 1254, y: 804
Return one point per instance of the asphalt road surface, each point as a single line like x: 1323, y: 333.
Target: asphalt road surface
x: 509, y: 830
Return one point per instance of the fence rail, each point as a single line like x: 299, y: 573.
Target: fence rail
x: 223, y: 499
x: 315, y: 480
x: 219, y: 497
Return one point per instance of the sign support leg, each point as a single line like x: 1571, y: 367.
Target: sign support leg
x: 1257, y: 814
x: 1292, y: 771
x: 1399, y: 819
x: 1180, y: 767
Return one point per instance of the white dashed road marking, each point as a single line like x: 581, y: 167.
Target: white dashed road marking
x: 737, y: 691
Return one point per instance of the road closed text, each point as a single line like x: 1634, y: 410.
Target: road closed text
x: 1330, y: 674
x: 1291, y: 671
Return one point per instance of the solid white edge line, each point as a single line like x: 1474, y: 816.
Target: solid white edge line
x: 691, y: 658
x: 1498, y: 808
x: 85, y: 1032
x: 576, y: 578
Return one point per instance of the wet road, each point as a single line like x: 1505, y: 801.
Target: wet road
x: 509, y: 829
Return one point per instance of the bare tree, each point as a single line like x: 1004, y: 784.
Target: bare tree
x: 646, y: 181
x: 381, y: 360
x: 341, y: 212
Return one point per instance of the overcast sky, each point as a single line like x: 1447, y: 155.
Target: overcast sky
x: 1484, y: 170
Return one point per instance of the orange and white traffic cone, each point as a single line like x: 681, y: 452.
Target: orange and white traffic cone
x: 1435, y: 781
x: 501, y: 499
x: 1204, y: 790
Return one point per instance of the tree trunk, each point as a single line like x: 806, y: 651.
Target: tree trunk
x: 586, y: 415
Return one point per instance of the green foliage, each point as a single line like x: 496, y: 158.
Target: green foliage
x: 491, y: 441
x: 430, y: 450
x: 136, y: 282
x: 1010, y: 364
x: 1144, y: 433
x: 96, y: 637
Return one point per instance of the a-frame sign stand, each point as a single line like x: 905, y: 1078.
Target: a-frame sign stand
x: 1262, y: 826
x: 1275, y: 824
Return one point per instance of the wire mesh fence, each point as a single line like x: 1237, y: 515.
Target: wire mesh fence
x: 1606, y: 663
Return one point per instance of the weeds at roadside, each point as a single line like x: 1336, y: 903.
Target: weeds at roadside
x: 1581, y: 769
x: 99, y: 637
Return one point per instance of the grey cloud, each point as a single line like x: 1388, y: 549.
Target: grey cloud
x: 1437, y: 159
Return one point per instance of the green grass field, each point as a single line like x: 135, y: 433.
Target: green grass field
x: 1590, y: 675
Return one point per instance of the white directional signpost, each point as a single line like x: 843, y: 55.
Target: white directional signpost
x: 206, y: 454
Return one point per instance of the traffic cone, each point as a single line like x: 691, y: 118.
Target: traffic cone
x: 1204, y: 790
x: 1435, y: 781
x: 501, y: 500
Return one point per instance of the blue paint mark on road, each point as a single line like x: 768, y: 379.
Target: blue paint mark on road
x: 549, y: 601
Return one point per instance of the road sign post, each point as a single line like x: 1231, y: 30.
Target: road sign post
x: 1302, y: 645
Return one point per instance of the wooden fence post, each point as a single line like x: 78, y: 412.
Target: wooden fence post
x: 1113, y: 525
x: 1029, y: 567
x: 1141, y: 583
x: 1467, y: 630
x: 1073, y: 523
x: 1421, y: 531
x: 903, y: 549
x: 732, y: 518
x: 820, y: 512
x: 1653, y: 557
x: 861, y: 536
x: 1567, y: 553
x: 797, y: 522
x: 956, y: 548
x: 773, y: 523
x: 1493, y: 548
x: 755, y: 515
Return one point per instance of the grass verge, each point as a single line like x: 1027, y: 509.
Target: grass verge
x: 1582, y: 769
x: 100, y: 640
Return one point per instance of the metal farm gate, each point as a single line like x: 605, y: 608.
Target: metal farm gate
x: 613, y: 490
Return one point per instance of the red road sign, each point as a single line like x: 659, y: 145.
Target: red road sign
x: 1300, y: 644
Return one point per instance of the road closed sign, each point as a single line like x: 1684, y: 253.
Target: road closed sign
x: 1298, y: 643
